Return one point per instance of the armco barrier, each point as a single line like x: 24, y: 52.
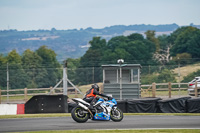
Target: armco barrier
x: 47, y: 104
x: 11, y: 109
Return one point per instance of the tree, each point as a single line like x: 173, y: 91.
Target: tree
x: 17, y: 75
x: 164, y: 41
x: 72, y: 66
x: 52, y: 66
x: 32, y: 64
x: 186, y: 40
x: 166, y: 76
x: 135, y: 36
x: 94, y: 54
x: 92, y: 58
x: 3, y: 62
x: 150, y: 35
x: 183, y: 58
x: 117, y: 42
x: 164, y: 57
x: 134, y: 49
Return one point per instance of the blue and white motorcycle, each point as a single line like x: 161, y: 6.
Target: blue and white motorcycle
x: 103, y: 110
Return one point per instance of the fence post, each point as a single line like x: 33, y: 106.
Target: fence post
x: 25, y: 94
x: 195, y: 89
x: 52, y: 90
x: 0, y: 95
x: 170, y: 89
x: 154, y: 89
x: 76, y: 93
x: 101, y: 89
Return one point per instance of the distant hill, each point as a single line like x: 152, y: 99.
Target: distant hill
x: 70, y: 43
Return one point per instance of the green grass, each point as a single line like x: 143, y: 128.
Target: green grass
x: 123, y: 131
x: 160, y: 93
x: 186, y: 70
x: 68, y: 114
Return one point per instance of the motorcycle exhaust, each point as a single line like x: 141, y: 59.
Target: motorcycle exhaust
x: 83, y: 106
x: 86, y: 108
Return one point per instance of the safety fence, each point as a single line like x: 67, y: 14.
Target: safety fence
x: 168, y: 90
x: 162, y: 90
x: 23, y: 95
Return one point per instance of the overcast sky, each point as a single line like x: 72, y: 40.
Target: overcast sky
x: 76, y: 14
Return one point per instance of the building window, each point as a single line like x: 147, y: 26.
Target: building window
x: 135, y: 75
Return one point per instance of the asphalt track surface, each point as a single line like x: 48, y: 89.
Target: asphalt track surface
x: 129, y: 122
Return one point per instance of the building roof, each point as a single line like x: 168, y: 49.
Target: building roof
x: 123, y: 65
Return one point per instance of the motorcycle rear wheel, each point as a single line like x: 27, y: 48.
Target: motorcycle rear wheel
x: 78, y: 115
x: 116, y: 115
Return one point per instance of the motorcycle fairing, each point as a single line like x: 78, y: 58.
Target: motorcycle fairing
x: 101, y: 116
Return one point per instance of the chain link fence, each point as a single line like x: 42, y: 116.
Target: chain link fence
x: 14, y: 80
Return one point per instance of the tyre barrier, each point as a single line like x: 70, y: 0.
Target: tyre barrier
x: 59, y: 104
x: 174, y: 105
x: 156, y: 105
x: 193, y: 105
x: 47, y: 104
x: 144, y: 105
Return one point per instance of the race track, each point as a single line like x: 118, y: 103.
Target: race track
x: 129, y: 122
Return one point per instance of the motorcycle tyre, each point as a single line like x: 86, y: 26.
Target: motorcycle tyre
x: 117, y: 120
x: 77, y: 119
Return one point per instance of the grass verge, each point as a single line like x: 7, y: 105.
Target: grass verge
x: 68, y: 114
x: 123, y: 131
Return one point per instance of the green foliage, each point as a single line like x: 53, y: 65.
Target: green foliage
x: 17, y: 75
x: 164, y: 76
x: 41, y: 68
x: 191, y: 76
x: 186, y: 40
x: 31, y: 70
x: 72, y: 65
x: 3, y: 61
x: 135, y: 36
x: 183, y: 58
x: 133, y: 49
x: 92, y: 58
x: 32, y: 64
x: 151, y: 37
x: 163, y: 41
x: 52, y: 66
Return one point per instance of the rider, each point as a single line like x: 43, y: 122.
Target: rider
x: 91, y: 95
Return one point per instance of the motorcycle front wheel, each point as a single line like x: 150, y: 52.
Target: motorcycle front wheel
x: 116, y: 115
x: 79, y: 115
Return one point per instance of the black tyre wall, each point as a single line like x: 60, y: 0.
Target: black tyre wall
x: 47, y: 104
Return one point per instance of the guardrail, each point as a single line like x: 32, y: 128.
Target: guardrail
x: 153, y: 88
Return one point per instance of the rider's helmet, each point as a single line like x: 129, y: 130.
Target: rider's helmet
x: 95, y: 86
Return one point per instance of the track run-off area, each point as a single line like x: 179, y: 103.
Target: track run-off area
x: 129, y: 122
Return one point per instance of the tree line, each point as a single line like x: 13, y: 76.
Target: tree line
x: 40, y: 68
x: 164, y: 51
x: 32, y: 69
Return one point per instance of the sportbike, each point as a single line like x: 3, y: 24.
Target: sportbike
x: 103, y: 110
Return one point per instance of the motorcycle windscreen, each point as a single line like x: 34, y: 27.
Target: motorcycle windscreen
x: 101, y: 116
